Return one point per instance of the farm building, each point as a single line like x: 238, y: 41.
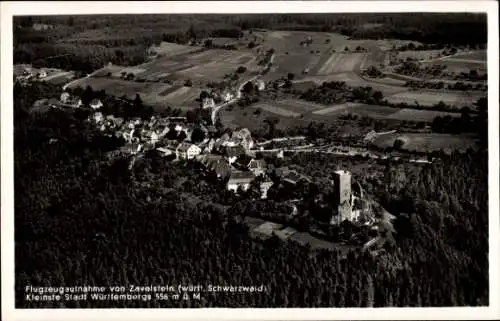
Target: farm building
x: 260, y: 84
x: 246, y: 138
x: 208, y: 103
x: 187, y: 151
x: 164, y: 151
x: 227, y: 96
x: 264, y: 188
x: 240, y: 180
x: 95, y: 103
x: 42, y: 74
x: 131, y: 148
x: 65, y: 97
x: 257, y: 166
x: 232, y: 153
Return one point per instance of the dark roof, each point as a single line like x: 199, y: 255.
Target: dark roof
x: 257, y: 164
x: 243, y: 177
x: 235, y: 151
x: 243, y: 160
x: 183, y: 147
x: 282, y: 171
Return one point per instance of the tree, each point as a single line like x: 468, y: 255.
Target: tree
x: 188, y: 83
x: 241, y: 69
x: 208, y: 43
x: 378, y: 96
x: 198, y: 135
x: 204, y: 94
x: 137, y: 102
x: 290, y: 76
x: 248, y: 88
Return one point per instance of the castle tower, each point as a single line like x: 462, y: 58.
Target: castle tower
x: 342, y: 181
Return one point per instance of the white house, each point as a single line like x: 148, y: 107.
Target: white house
x: 95, y: 104
x: 245, y: 136
x: 164, y: 151
x: 187, y: 151
x: 42, y: 74
x: 257, y: 166
x: 240, y: 180
x: 264, y: 187
x: 227, y: 96
x: 208, y: 103
x: 98, y: 117
x: 132, y: 148
x: 65, y: 97
x: 74, y: 102
x: 260, y: 84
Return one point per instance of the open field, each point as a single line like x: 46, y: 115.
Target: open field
x: 386, y: 85
x: 60, y: 78
x: 375, y: 59
x: 168, y: 49
x: 151, y: 93
x: 463, y: 62
x: 198, y: 65
x: 342, y: 62
x: 427, y: 142
x: 419, y: 54
x: 383, y: 112
x: 288, y: 107
x: 430, y: 98
x: 419, y: 115
x: 325, y: 53
x: 460, y: 65
x: 335, y: 109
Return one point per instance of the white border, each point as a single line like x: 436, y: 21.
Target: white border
x: 8, y: 9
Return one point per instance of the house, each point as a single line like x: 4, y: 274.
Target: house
x: 221, y: 141
x: 53, y: 102
x: 187, y: 151
x: 282, y: 171
x: 164, y: 151
x: 264, y: 188
x: 210, y: 146
x: 242, y: 162
x: 74, y: 102
x: 65, y: 97
x: 240, y: 180
x: 257, y: 166
x: 208, y: 103
x: 131, y: 148
x: 245, y: 136
x: 227, y: 96
x: 98, y: 117
x: 232, y: 153
x: 260, y: 84
x: 42, y: 74
x: 294, y: 178
x: 95, y: 103
x: 222, y: 169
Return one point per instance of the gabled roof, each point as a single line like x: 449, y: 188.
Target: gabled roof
x: 183, y: 147
x: 235, y: 151
x: 243, y: 160
x: 241, y: 177
x: 257, y: 164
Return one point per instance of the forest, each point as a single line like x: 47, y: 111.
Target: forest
x: 83, y: 219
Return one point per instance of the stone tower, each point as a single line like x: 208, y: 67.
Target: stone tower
x: 342, y: 181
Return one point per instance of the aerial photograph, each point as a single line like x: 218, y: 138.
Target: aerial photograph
x: 333, y: 160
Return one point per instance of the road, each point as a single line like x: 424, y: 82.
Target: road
x: 337, y: 151
x: 216, y: 109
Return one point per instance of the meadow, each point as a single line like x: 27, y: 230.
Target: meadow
x: 428, y: 142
